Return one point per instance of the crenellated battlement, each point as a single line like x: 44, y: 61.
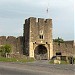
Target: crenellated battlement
x: 40, y: 21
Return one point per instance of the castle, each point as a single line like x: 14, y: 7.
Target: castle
x: 37, y: 41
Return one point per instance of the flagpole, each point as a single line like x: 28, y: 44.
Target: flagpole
x: 47, y: 10
x: 47, y: 13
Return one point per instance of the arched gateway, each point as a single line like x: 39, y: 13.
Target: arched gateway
x: 37, y: 36
x: 40, y: 52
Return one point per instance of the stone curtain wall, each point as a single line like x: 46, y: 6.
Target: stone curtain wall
x: 66, y: 48
x: 19, y: 47
x: 2, y: 40
x: 10, y: 40
x: 15, y: 43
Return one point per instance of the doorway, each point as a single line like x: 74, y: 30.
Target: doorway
x: 40, y: 52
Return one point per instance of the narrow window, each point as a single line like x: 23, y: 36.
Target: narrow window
x: 41, y: 36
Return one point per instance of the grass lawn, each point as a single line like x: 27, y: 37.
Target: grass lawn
x: 62, y: 62
x: 23, y: 60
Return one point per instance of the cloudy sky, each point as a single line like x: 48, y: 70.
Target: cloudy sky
x: 14, y: 12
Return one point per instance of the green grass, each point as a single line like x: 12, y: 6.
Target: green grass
x: 62, y: 62
x: 23, y: 60
x: 51, y: 62
x: 74, y: 60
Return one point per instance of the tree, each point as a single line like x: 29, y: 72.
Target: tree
x: 5, y: 49
x: 59, y: 40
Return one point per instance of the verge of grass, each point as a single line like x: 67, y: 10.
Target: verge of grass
x: 51, y: 62
x: 23, y: 60
x: 62, y: 62
x: 74, y: 60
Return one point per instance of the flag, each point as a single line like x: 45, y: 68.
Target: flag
x: 47, y: 10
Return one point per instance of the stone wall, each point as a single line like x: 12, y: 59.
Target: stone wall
x: 15, y: 43
x: 2, y: 40
x: 66, y: 48
x: 26, y: 37
x: 11, y: 40
x: 19, y: 47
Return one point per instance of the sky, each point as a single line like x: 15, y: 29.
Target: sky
x: 14, y: 12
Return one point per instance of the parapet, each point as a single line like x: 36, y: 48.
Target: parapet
x: 40, y: 21
x: 20, y: 38
x: 11, y: 37
x: 2, y: 37
x: 2, y: 40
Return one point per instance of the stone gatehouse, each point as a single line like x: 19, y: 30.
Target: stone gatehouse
x: 38, y: 38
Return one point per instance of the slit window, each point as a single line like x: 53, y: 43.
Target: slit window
x: 41, y: 36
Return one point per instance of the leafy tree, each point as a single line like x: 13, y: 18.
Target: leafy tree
x: 59, y: 40
x: 5, y: 49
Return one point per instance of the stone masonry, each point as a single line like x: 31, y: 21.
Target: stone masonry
x: 15, y: 43
x: 66, y: 48
x: 37, y: 41
x: 38, y: 34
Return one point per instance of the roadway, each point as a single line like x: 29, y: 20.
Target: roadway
x: 35, y: 68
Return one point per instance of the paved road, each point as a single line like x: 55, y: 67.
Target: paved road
x: 9, y: 71
x: 36, y: 68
